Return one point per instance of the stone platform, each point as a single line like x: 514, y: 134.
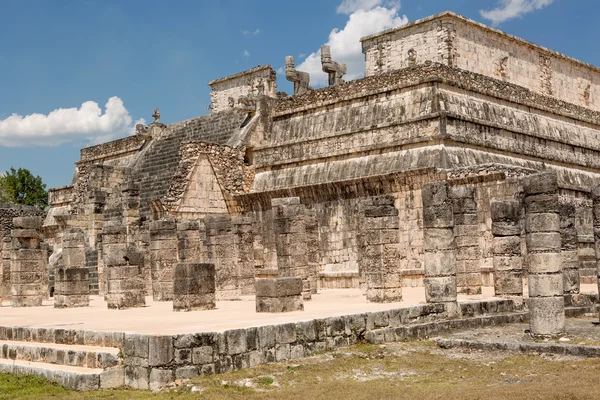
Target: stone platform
x: 149, y: 347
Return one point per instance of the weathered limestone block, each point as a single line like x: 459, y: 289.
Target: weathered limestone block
x: 125, y: 286
x: 71, y: 281
x: 276, y: 295
x: 379, y: 248
x: 163, y: 251
x: 5, y: 268
x: 506, y: 248
x: 191, y: 241
x: 28, y: 269
x: 289, y: 225
x: 568, y: 252
x: 194, y: 287
x: 466, y: 233
x: 585, y: 242
x: 596, y: 216
x: 439, y: 245
x: 244, y: 241
x: 543, y: 239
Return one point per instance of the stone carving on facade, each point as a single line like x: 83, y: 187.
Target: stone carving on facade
x: 141, y: 129
x: 334, y: 69
x: 300, y: 79
x: 156, y: 116
x: 412, y: 57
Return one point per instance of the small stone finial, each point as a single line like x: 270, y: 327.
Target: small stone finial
x: 300, y: 79
x: 156, y: 115
x: 334, y: 69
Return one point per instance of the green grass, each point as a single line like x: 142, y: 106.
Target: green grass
x: 413, y: 370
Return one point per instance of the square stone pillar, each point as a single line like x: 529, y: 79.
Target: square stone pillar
x: 439, y: 246
x: 28, y: 269
x: 244, y: 245
x: 5, y: 267
x: 466, y: 234
x: 191, y: 242
x: 277, y: 295
x: 194, y: 287
x: 379, y: 249
x: 125, y: 287
x: 569, y: 249
x: 163, y: 256
x: 543, y: 239
x: 71, y: 281
x: 506, y: 248
x: 289, y: 225
x: 223, y: 251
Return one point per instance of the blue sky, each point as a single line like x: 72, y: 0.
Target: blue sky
x: 67, y: 59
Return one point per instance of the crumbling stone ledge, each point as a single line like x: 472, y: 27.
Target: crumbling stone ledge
x: 535, y: 348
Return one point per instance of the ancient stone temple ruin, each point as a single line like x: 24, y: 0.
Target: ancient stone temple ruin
x: 464, y: 159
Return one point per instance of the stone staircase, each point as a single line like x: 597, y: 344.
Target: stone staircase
x: 74, y: 366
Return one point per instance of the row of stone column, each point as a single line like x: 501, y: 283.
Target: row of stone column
x: 552, y: 266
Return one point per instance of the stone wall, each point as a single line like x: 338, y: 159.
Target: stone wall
x: 457, y: 41
x: 228, y: 90
x: 159, y: 161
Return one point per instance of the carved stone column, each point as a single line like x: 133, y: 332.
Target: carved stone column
x: 542, y: 228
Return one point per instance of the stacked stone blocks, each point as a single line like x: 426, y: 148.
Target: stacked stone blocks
x: 72, y: 281
x: 5, y: 268
x: 163, y: 256
x: 569, y: 248
x: 229, y: 241
x: 277, y: 295
x: 124, y: 277
x: 506, y: 248
x: 466, y: 233
x: 544, y: 261
x: 379, y: 249
x: 439, y: 245
x: 596, y: 222
x: 289, y: 225
x: 28, y: 267
x: 194, y: 287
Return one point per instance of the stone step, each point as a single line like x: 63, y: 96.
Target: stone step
x: 61, y: 354
x: 77, y: 378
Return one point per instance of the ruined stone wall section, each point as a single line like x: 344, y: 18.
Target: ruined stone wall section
x: 349, y: 169
x: 522, y: 127
x: 206, y: 177
x: 227, y: 91
x: 350, y: 126
x: 465, y: 44
x: 110, y: 150
x: 159, y: 162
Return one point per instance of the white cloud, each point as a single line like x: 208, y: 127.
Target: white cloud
x: 345, y: 43
x: 509, y: 9
x: 246, y: 53
x: 350, y: 6
x: 251, y: 33
x: 64, y: 125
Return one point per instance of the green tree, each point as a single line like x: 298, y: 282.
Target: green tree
x: 21, y: 187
